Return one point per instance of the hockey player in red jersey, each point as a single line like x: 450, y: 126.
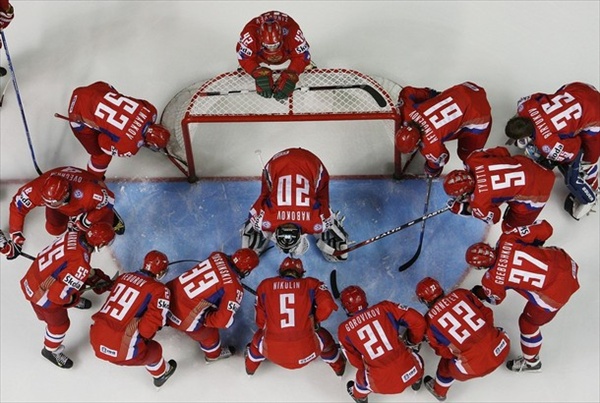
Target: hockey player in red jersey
x: 109, y: 124
x: 124, y: 328
x: 68, y: 193
x: 206, y: 297
x: 289, y: 310
x: 387, y: 361
x: 460, y: 329
x: 7, y: 13
x: 493, y: 177
x: 563, y: 129
x: 273, y: 38
x: 293, y: 203
x: 430, y: 119
x: 56, y: 279
x: 545, y: 276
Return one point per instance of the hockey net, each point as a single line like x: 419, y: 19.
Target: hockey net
x: 366, y: 105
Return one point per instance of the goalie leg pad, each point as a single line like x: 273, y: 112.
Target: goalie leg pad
x: 253, y: 239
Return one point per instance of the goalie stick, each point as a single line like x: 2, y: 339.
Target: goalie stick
x: 365, y: 87
x: 418, y: 252
x: 392, y: 231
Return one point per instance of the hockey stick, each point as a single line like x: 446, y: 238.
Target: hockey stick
x: 418, y: 252
x: 335, y: 291
x: 3, y: 92
x: 16, y: 86
x: 365, y: 87
x: 163, y: 151
x: 392, y: 231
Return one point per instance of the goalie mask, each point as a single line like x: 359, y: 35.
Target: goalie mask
x: 458, y: 183
x: 287, y: 237
x: 56, y: 192
x: 429, y: 290
x: 480, y: 255
x: 353, y: 299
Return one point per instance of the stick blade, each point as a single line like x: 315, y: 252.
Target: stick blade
x: 333, y: 282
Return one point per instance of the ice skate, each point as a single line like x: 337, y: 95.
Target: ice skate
x: 429, y: 385
x: 350, y: 389
x: 520, y: 364
x: 226, y: 352
x: 57, y: 357
x: 160, y: 381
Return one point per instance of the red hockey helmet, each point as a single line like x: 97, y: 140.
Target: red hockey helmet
x: 293, y: 266
x: 480, y: 255
x: 100, y: 234
x: 271, y: 35
x: 407, y: 139
x: 458, y: 183
x: 353, y: 299
x: 157, y: 137
x: 245, y: 260
x: 428, y: 290
x: 156, y: 263
x: 56, y: 192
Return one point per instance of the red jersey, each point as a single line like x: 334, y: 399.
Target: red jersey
x: 59, y: 271
x: 295, y: 188
x: 294, y: 47
x: 546, y: 276
x: 502, y: 178
x: 209, y: 294
x: 119, y: 121
x: 88, y: 195
x: 370, y: 341
x: 462, y: 111
x: 135, y: 310
x: 561, y: 118
x: 461, y: 328
x: 288, y: 309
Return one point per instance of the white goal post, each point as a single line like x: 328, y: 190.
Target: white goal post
x: 320, y: 95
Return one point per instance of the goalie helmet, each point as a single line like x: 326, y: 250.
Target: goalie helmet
x: 99, y: 234
x: 271, y: 35
x: 292, y: 266
x: 353, y: 299
x: 245, y: 260
x: 458, y: 183
x: 56, y: 192
x: 157, y: 137
x: 407, y: 138
x: 288, y: 237
x: 156, y: 263
x: 480, y: 255
x: 429, y: 290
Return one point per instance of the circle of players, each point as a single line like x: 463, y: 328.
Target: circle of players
x: 382, y: 340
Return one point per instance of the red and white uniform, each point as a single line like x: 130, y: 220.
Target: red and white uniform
x: 565, y: 122
x: 124, y: 327
x: 88, y: 196
x: 287, y: 312
x: 521, y: 183
x: 6, y: 15
x: 546, y: 276
x: 461, y: 331
x: 294, y: 47
x: 205, y: 299
x: 108, y: 123
x: 371, y: 342
x: 460, y: 113
x: 295, y: 188
x: 53, y: 282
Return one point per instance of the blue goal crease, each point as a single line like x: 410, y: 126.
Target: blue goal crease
x: 188, y: 222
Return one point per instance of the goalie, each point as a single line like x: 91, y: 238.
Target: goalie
x: 294, y: 203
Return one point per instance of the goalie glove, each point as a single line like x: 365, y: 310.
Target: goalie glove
x: 285, y: 85
x: 263, y: 79
x: 334, y: 239
x: 253, y: 239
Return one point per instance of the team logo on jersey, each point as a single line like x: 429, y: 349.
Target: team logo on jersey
x: 244, y: 52
x: 72, y: 281
x: 232, y: 306
x: 302, y: 48
x: 78, y: 194
x: 107, y: 351
x: 409, y: 374
x: 267, y: 224
x: 318, y: 227
x: 162, y: 303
